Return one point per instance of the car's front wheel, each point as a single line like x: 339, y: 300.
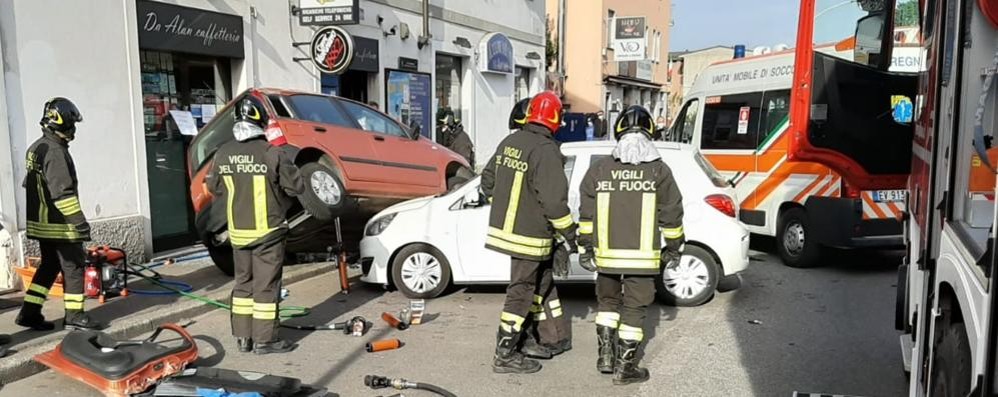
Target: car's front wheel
x: 692, y: 282
x: 324, y: 195
x: 420, y: 272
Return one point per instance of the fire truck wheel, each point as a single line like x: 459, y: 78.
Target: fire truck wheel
x: 951, y: 368
x: 222, y: 256
x: 795, y: 249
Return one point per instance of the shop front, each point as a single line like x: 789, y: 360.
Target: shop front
x: 187, y: 56
x: 358, y: 82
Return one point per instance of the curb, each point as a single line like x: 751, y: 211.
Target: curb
x: 21, y: 364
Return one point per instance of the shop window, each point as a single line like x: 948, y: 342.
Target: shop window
x: 278, y: 104
x: 318, y: 109
x: 683, y: 128
x: 522, y: 83
x: 731, y: 122
x: 448, y: 89
x: 371, y: 120
x: 776, y: 115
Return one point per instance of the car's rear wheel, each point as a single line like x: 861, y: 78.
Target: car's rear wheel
x: 692, y: 282
x: 420, y: 271
x: 324, y: 195
x: 794, y: 242
x: 221, y: 254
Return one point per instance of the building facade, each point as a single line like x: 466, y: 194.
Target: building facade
x: 593, y: 79
x: 686, y: 66
x: 129, y: 63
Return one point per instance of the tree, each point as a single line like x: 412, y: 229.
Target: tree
x: 551, y: 50
x: 906, y: 14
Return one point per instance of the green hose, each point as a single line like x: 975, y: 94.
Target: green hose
x: 285, y: 312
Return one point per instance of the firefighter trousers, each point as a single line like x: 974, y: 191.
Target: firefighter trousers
x: 623, y: 303
x: 532, y: 302
x: 257, y: 291
x: 57, y: 257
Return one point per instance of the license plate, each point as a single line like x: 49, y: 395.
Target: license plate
x: 885, y: 196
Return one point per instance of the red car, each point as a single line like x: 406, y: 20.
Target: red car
x: 354, y: 161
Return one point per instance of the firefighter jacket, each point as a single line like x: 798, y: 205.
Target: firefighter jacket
x: 525, y: 181
x: 53, y: 204
x: 461, y: 144
x: 257, y: 182
x: 625, y: 211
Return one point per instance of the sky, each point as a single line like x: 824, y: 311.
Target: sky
x: 706, y: 23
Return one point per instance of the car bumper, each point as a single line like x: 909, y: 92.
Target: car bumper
x: 734, y: 257
x: 374, y: 260
x: 838, y: 222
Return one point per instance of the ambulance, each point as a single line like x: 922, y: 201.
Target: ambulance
x: 737, y: 113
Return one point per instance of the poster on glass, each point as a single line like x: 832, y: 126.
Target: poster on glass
x: 408, y: 98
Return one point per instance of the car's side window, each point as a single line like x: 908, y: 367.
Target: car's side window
x: 318, y: 109
x: 682, y: 128
x: 371, y: 120
x: 569, y: 167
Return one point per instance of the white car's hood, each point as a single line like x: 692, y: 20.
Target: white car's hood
x: 409, y: 205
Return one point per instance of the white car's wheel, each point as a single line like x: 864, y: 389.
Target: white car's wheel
x: 692, y: 282
x: 420, y: 272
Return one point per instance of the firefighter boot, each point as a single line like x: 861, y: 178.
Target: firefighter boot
x: 605, y: 336
x: 532, y: 349
x: 31, y: 317
x: 245, y: 344
x: 627, y: 370
x: 509, y: 361
x: 81, y: 320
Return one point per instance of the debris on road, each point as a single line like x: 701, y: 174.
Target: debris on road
x: 394, y: 322
x: 382, y: 345
x: 755, y: 322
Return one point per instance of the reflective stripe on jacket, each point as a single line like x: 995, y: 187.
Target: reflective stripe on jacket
x: 526, y: 184
x: 257, y: 181
x: 51, y: 192
x: 625, y: 212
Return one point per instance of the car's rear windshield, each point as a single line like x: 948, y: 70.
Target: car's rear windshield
x: 715, y: 177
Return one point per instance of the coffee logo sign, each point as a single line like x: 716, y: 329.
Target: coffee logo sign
x: 332, y: 50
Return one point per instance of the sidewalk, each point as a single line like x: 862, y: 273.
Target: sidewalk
x: 130, y: 316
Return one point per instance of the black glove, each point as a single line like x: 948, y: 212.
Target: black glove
x: 83, y: 229
x: 670, y: 258
x: 560, y: 260
x: 587, y: 258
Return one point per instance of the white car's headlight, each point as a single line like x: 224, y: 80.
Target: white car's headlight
x: 379, y: 225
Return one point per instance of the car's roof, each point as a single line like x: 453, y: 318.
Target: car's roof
x: 610, y: 144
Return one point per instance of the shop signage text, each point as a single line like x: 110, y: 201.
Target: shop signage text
x: 167, y: 27
x: 365, y: 55
x: 496, y: 54
x: 629, y: 39
x: 328, y: 12
x: 409, y: 64
x: 332, y: 49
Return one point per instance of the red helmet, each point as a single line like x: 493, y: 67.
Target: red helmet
x: 545, y: 109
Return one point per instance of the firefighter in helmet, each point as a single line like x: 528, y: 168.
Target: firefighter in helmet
x: 55, y: 218
x: 518, y: 116
x: 257, y: 181
x: 530, y: 221
x: 629, y: 202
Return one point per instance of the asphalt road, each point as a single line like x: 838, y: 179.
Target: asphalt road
x: 827, y: 330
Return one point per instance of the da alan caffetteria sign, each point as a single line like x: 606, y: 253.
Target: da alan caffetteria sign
x: 167, y: 27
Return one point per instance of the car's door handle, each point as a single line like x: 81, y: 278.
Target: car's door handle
x: 320, y: 129
x: 379, y: 138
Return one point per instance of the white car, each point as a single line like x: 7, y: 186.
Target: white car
x: 424, y: 245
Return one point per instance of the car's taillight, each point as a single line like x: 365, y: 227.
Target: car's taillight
x: 723, y: 203
x: 848, y: 191
x: 274, y: 134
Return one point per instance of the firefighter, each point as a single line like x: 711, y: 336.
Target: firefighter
x: 629, y: 202
x: 55, y: 219
x: 518, y: 116
x: 526, y: 184
x: 257, y: 181
x: 460, y: 142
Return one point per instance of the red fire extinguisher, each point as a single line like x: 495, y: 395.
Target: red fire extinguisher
x: 91, y: 282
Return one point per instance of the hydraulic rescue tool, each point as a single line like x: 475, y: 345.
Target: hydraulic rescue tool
x: 381, y: 382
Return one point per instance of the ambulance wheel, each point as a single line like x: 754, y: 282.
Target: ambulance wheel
x: 692, y: 282
x: 795, y: 249
x: 419, y: 271
x: 951, y: 368
x: 324, y: 194
x: 222, y: 256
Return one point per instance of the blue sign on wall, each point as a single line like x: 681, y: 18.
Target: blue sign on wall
x: 498, y: 51
x: 408, y: 96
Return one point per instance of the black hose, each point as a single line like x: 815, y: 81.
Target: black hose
x: 434, y: 388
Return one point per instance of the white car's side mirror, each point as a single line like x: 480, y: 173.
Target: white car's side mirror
x: 472, y: 198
